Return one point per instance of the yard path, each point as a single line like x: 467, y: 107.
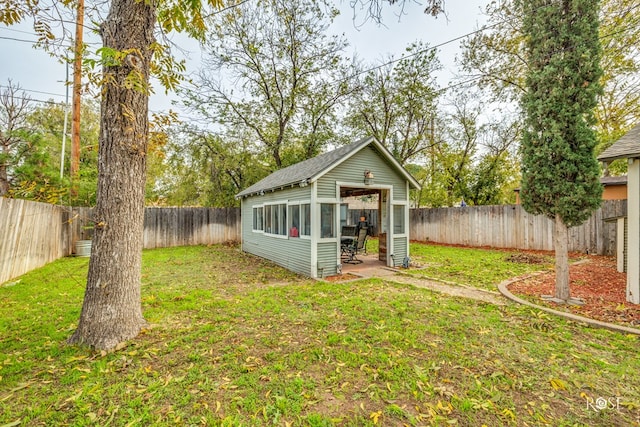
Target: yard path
x: 453, y: 290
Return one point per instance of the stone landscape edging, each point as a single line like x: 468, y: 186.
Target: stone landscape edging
x: 503, y: 288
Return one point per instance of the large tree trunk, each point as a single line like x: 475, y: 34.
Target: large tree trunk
x: 4, y: 180
x: 562, y: 259
x: 112, y: 312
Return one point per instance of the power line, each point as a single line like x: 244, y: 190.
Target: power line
x: 430, y: 48
x: 28, y: 99
x: 427, y: 49
x: 15, y: 39
x: 33, y: 90
x: 393, y: 61
x: 93, y: 28
x: 18, y: 31
x: 352, y: 76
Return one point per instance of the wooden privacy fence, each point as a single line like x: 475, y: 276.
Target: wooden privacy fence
x: 33, y: 234
x: 509, y: 226
x: 167, y: 227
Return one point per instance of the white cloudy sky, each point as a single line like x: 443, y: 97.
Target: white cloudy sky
x: 37, y: 72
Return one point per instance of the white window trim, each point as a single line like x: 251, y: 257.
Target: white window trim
x: 336, y: 220
x: 294, y: 203
x: 389, y: 188
x: 274, y: 203
x: 252, y: 208
x: 306, y: 236
x: 406, y: 218
x: 314, y: 217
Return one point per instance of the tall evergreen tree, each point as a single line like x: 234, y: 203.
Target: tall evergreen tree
x: 560, y: 175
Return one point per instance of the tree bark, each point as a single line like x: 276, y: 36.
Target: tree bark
x: 112, y: 311
x: 562, y: 259
x: 4, y: 171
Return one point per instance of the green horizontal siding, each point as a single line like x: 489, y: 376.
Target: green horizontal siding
x: 352, y: 170
x: 327, y: 258
x: 399, y: 249
x: 291, y: 253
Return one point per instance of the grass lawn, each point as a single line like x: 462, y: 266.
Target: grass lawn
x: 234, y: 340
x: 482, y: 268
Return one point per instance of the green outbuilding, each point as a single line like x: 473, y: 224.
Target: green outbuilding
x: 294, y: 216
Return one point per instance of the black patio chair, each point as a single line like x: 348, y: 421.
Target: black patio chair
x: 351, y: 247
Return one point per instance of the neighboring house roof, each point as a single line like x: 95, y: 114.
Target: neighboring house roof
x: 605, y: 180
x: 614, y: 180
x: 626, y: 147
x: 310, y: 170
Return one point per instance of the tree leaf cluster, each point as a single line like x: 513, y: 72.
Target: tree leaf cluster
x: 471, y: 158
x: 496, y: 58
x: 397, y: 103
x: 33, y: 161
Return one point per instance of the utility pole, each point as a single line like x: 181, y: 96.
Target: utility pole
x: 66, y: 115
x: 77, y: 88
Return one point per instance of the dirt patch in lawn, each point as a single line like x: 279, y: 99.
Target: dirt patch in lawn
x: 528, y: 258
x: 342, y: 277
x: 596, y: 281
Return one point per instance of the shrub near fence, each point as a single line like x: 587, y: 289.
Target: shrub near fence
x: 33, y: 234
x: 509, y: 226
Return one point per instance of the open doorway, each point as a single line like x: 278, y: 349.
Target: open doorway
x: 364, y: 207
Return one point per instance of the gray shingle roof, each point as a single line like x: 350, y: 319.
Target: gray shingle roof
x: 626, y: 147
x: 613, y: 180
x: 305, y: 170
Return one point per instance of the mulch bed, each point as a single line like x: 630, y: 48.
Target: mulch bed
x: 342, y: 277
x: 597, y: 282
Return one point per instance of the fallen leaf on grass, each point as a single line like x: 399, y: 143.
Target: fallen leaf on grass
x: 74, y: 397
x: 508, y: 413
x: 375, y: 416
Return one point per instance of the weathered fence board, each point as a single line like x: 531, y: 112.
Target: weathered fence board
x: 509, y: 226
x: 30, y: 236
x: 33, y: 234
x: 168, y: 227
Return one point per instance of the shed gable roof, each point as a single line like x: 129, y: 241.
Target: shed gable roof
x: 626, y: 147
x: 310, y: 170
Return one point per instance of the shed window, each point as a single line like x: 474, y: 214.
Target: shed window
x: 305, y: 219
x: 268, y: 220
x: 275, y: 219
x: 294, y: 220
x: 300, y: 220
x: 327, y: 220
x: 258, y: 219
x: 398, y: 219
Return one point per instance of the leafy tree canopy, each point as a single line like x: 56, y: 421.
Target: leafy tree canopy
x: 496, y: 56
